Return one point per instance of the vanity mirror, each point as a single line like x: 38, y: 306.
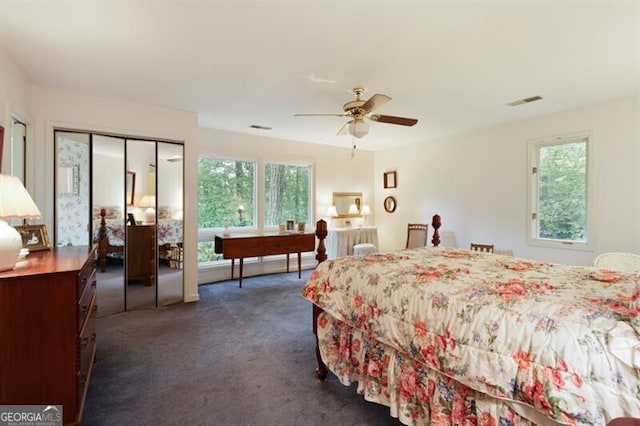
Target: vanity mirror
x: 344, y: 200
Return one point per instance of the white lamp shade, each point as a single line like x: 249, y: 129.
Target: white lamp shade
x: 353, y: 209
x: 332, y: 212
x: 15, y: 201
x: 358, y: 128
x: 366, y: 211
x: 147, y: 201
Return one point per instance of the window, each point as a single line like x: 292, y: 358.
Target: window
x: 226, y: 197
x: 559, y: 208
x: 287, y: 194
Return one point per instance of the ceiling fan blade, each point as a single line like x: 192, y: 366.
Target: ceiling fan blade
x: 320, y: 115
x: 402, y: 121
x: 344, y: 130
x: 375, y: 102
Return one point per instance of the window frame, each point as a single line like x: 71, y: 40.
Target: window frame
x: 206, y: 234
x: 262, y: 206
x: 533, y: 163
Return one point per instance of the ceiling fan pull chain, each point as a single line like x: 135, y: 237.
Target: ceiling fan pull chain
x: 353, y: 150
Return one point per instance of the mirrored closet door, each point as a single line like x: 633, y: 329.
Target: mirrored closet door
x: 133, y: 213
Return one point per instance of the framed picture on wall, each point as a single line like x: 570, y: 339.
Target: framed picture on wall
x: 34, y: 237
x: 389, y: 179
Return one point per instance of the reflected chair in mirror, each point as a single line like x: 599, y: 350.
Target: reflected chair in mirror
x: 417, y: 235
x: 625, y: 262
x: 484, y: 248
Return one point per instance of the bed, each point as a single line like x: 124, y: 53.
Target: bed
x: 450, y: 336
x: 109, y: 234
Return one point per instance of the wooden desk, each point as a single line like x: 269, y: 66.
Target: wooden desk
x: 250, y: 245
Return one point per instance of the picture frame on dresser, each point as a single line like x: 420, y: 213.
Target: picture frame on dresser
x: 34, y: 237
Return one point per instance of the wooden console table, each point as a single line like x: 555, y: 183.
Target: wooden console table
x: 251, y: 245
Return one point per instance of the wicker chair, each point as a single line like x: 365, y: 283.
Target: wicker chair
x: 625, y: 262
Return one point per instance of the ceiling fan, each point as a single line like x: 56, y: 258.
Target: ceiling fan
x: 359, y: 109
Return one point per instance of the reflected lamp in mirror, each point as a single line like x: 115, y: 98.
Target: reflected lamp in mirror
x: 148, y: 201
x: 353, y: 209
x: 332, y: 212
x: 15, y: 203
x: 366, y: 211
x: 343, y: 202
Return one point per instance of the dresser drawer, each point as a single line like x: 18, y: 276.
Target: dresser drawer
x: 86, y: 275
x: 84, y: 303
x: 87, y: 339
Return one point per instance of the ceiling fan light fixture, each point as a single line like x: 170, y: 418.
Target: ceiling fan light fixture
x: 358, y: 128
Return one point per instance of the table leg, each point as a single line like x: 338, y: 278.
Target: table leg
x: 287, y: 263
x: 240, y: 279
x: 299, y: 265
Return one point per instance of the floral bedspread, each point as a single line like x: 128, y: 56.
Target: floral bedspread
x: 552, y: 341
x: 169, y: 231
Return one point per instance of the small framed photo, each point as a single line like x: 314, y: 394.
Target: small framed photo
x: 34, y: 237
x: 389, y: 179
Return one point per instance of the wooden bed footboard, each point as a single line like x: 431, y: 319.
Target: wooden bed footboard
x: 321, y: 256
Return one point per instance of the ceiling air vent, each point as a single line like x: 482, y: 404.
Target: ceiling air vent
x: 525, y: 101
x: 259, y: 127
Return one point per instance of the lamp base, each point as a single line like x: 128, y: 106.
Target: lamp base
x: 10, y: 246
x: 149, y: 216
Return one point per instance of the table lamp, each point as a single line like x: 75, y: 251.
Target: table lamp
x: 149, y: 201
x: 332, y: 212
x: 353, y: 209
x: 15, y: 203
x: 366, y: 211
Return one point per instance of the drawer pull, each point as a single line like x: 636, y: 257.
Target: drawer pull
x: 83, y: 379
x: 84, y: 310
x: 84, y: 343
x: 93, y: 337
x: 93, y: 283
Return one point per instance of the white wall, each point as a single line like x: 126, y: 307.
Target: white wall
x: 477, y: 182
x: 15, y: 99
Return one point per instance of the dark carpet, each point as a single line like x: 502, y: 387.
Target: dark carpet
x: 239, y: 356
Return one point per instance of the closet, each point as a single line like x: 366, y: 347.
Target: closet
x: 125, y: 195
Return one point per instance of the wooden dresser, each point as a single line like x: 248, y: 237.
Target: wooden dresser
x: 141, y: 253
x: 47, y: 330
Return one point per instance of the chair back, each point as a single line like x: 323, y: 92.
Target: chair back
x: 417, y: 235
x: 485, y: 248
x: 625, y: 262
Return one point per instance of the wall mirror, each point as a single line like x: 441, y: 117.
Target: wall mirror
x: 343, y: 202
x: 131, y: 187
x: 390, y: 204
x: 68, y: 180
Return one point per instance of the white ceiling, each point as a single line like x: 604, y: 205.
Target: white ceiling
x: 451, y: 64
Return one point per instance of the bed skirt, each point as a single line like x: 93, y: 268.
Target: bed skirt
x: 415, y: 394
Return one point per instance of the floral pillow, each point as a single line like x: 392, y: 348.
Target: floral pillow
x: 112, y: 212
x: 164, y: 212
